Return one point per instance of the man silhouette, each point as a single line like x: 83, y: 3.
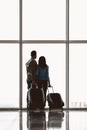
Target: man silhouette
x: 31, y: 67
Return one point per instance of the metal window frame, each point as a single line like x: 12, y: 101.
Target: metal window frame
x: 20, y: 52
x: 67, y: 54
x: 21, y: 42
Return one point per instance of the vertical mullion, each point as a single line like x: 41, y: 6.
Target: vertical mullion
x: 20, y: 121
x: 67, y: 63
x: 20, y: 53
x: 67, y: 54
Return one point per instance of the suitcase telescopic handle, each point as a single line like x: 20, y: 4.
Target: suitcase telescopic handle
x: 52, y: 89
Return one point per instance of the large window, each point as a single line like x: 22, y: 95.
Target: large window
x: 54, y: 28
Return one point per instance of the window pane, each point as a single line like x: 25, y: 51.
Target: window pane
x: 9, y: 16
x: 78, y: 20
x: 44, y: 19
x: 78, y: 75
x: 55, y: 57
x: 9, y: 75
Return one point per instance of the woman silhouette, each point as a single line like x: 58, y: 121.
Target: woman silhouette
x: 42, y: 73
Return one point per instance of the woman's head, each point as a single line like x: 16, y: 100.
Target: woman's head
x: 42, y: 61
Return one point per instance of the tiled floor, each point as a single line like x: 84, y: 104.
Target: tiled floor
x: 43, y: 120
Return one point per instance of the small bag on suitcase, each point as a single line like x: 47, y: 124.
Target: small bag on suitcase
x: 54, y: 100
x: 35, y: 98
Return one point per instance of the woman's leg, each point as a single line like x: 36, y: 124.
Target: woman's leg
x: 45, y: 91
x: 43, y: 84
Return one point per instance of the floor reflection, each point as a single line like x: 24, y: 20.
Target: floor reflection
x: 43, y: 120
x: 9, y: 120
x: 55, y: 119
x: 36, y: 120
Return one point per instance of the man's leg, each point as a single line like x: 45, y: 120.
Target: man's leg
x: 29, y: 84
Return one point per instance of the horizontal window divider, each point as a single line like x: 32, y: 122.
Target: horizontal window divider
x: 77, y: 41
x: 43, y: 41
x: 9, y: 41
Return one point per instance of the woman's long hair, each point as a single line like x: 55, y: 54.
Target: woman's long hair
x: 42, y: 61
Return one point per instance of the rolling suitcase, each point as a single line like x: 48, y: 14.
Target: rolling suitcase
x: 35, y: 98
x: 54, y: 100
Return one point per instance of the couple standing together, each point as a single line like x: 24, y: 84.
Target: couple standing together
x: 38, y: 74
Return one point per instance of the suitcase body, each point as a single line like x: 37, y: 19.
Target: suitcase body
x: 55, y: 101
x: 35, y: 98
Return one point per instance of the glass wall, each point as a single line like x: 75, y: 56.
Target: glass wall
x: 54, y: 28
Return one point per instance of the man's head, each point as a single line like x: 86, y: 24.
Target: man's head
x: 33, y: 54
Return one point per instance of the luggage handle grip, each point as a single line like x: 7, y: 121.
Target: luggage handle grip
x: 52, y: 89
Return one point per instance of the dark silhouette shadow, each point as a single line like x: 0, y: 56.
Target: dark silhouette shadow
x: 55, y: 119
x: 36, y: 120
